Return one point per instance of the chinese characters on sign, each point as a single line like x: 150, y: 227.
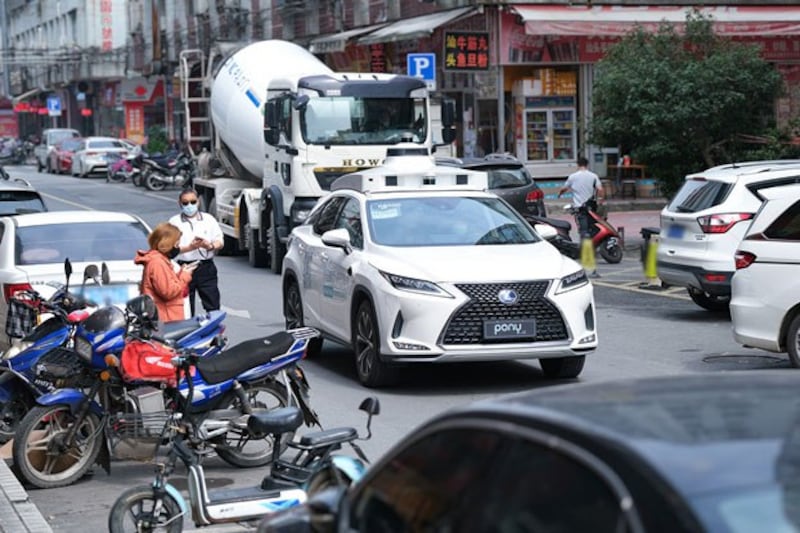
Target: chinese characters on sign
x: 105, y: 25
x: 134, y: 122
x: 466, y: 50
x: 377, y: 58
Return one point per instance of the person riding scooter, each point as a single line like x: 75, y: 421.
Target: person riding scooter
x: 586, y: 190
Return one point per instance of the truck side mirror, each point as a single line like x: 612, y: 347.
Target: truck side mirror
x: 448, y: 135
x: 448, y: 112
x: 271, y: 136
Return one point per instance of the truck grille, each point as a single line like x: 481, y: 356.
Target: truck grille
x: 466, y: 326
x: 326, y: 176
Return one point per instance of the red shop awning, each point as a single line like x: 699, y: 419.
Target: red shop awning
x: 749, y: 21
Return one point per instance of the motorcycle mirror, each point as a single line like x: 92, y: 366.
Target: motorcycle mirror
x: 67, y: 272
x: 91, y: 272
x: 371, y: 406
x: 105, y: 276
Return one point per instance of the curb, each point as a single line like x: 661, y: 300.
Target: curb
x: 18, y: 514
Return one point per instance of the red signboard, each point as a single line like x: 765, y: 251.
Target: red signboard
x: 8, y: 124
x: 466, y: 50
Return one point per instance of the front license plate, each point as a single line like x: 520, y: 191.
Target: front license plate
x: 509, y: 329
x: 675, y: 232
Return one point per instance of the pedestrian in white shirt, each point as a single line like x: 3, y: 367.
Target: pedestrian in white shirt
x: 584, y: 185
x: 201, y: 238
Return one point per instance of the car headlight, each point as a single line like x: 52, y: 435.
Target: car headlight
x: 572, y: 281
x: 84, y: 349
x: 419, y: 286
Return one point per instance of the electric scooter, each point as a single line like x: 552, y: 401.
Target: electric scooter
x: 313, y: 467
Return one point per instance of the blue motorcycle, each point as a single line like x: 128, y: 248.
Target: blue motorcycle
x: 48, y: 360
x: 72, y: 428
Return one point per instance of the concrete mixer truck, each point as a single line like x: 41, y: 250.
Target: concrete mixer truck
x: 273, y: 127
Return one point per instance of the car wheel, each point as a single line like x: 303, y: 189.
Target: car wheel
x: 293, y: 314
x: 707, y: 301
x: 793, y: 342
x: 562, y: 367
x: 372, y: 371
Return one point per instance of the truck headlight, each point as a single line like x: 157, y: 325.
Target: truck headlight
x: 572, y: 281
x: 419, y: 286
x: 83, y: 348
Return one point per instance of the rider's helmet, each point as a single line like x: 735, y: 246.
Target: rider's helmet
x: 143, y: 309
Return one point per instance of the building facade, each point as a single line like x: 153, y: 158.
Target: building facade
x: 520, y: 72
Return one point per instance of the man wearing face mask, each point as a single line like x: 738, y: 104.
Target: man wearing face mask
x: 201, y: 238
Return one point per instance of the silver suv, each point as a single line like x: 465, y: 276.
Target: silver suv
x: 703, y: 225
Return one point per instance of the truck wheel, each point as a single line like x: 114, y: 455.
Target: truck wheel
x: 256, y: 255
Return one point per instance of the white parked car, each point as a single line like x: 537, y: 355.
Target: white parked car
x: 90, y: 157
x: 704, y: 223
x: 33, y: 248
x: 765, y: 302
x: 410, y: 263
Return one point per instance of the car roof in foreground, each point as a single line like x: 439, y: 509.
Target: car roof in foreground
x: 76, y: 216
x: 703, y: 432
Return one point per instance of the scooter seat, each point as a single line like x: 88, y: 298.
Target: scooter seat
x: 328, y: 436
x: 555, y: 222
x: 275, y: 421
x: 230, y: 363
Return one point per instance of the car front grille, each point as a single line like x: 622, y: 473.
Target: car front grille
x: 466, y: 325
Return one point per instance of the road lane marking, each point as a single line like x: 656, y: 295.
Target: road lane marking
x: 654, y: 292
x: 87, y: 208
x: 241, y: 313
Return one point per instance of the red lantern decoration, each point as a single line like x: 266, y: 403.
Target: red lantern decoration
x: 86, y: 112
x: 43, y: 111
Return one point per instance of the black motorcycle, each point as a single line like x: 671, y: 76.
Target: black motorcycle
x: 179, y: 172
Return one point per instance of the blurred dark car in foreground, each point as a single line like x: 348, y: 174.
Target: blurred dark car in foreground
x: 508, y: 179
x: 694, y: 453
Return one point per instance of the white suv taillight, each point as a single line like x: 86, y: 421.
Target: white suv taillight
x: 743, y: 259
x: 721, y: 223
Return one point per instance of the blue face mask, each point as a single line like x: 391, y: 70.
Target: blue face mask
x: 189, y: 210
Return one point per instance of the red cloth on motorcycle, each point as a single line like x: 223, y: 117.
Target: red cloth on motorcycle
x: 148, y: 361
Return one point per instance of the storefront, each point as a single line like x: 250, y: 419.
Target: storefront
x: 548, y: 54
x: 144, y: 107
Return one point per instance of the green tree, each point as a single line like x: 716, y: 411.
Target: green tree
x: 680, y: 98
x: 156, y: 139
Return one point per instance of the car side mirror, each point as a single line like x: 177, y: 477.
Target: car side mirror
x: 338, y: 238
x: 546, y: 231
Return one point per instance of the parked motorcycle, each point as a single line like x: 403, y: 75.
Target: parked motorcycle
x: 312, y: 468
x: 180, y: 173
x: 45, y: 359
x: 106, y: 414
x: 19, y: 386
x: 148, y: 160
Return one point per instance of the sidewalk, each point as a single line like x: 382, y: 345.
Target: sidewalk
x: 18, y: 514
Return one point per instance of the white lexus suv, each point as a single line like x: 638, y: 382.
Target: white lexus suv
x: 411, y: 263
x: 702, y: 226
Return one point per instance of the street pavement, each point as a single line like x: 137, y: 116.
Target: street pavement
x: 18, y: 514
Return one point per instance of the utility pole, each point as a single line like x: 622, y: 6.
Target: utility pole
x: 4, y: 29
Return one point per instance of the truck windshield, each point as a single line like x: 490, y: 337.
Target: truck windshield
x: 355, y: 120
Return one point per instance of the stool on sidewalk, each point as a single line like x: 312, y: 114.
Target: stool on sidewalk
x: 628, y: 189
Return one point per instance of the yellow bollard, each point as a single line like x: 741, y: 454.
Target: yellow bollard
x: 650, y: 269
x: 588, y: 260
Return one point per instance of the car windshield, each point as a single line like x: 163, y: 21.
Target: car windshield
x: 445, y: 221
x: 757, y: 509
x: 20, y: 202
x: 355, y: 120
x: 79, y: 241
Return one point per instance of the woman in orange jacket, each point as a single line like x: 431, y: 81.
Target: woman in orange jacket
x: 159, y: 279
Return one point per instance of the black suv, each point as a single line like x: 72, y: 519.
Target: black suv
x: 508, y: 178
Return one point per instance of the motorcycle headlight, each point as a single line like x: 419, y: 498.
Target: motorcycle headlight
x: 84, y: 349
x: 572, y: 281
x: 419, y: 286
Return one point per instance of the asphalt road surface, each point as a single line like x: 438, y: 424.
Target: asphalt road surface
x: 642, y: 333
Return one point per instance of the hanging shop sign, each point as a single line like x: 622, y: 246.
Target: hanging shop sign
x: 466, y: 50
